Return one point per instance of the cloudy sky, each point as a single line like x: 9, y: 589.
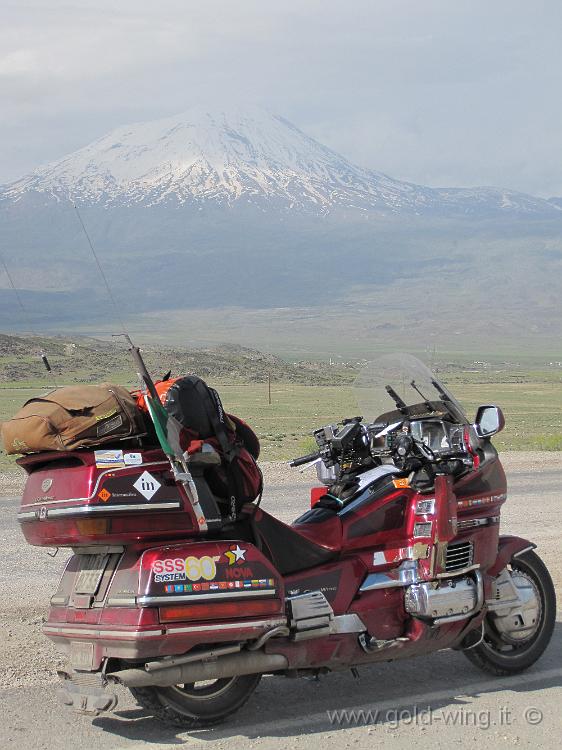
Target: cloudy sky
x: 440, y: 92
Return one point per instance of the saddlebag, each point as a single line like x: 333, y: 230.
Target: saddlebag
x: 73, y: 417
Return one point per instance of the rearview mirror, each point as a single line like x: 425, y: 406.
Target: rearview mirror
x: 489, y: 421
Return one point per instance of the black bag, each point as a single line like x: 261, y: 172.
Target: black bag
x: 198, y: 408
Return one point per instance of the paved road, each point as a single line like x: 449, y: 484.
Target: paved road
x: 441, y: 700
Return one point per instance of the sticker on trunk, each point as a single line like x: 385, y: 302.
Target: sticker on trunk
x: 147, y: 485
x: 109, y: 459
x: 180, y: 568
x: 132, y: 459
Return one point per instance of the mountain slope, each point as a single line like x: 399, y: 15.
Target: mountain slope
x: 199, y: 214
x: 245, y: 157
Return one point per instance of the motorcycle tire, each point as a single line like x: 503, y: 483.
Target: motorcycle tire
x: 496, y: 654
x: 198, y: 705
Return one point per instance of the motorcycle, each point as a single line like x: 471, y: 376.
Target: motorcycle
x: 400, y: 554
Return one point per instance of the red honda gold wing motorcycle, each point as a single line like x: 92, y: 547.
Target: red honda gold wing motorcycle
x: 188, y: 605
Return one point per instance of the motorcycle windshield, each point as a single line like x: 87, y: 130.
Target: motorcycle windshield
x: 400, y: 386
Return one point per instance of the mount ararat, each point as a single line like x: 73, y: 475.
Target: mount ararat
x: 240, y: 211
x: 247, y: 156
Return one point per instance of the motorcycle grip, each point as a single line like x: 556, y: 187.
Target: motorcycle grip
x: 303, y: 459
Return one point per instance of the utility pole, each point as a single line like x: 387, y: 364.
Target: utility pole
x: 269, y: 388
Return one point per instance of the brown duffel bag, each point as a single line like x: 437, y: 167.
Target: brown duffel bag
x: 76, y: 416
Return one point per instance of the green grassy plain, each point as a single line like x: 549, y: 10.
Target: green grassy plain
x: 531, y: 401
x: 532, y: 405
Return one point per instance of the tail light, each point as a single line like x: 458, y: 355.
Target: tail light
x: 220, y: 610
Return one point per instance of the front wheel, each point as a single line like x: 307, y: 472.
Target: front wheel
x: 514, y: 638
x: 197, y: 704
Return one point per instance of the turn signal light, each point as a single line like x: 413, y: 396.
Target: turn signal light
x: 219, y: 610
x: 93, y: 526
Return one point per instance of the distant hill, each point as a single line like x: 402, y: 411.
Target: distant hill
x: 88, y: 360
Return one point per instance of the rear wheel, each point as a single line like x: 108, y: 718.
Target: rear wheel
x: 515, y: 638
x: 197, y: 704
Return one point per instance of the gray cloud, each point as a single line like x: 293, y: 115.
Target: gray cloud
x: 437, y: 92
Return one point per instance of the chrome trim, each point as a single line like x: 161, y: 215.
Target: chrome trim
x: 522, y: 551
x: 457, y: 616
x: 93, y: 509
x: 479, y: 641
x: 122, y: 601
x: 350, y: 623
x: 459, y: 555
x: 423, y: 529
x: 473, y: 523
x: 517, y: 621
x: 209, y: 654
x: 456, y: 573
x: 309, y: 611
x: 477, y: 607
x: 146, y: 601
x: 453, y: 618
x: 404, y: 575
x: 227, y: 626
x: 428, y: 504
x: 69, y: 631
x: 99, y: 549
x: 281, y: 631
x: 59, y: 601
x: 480, y: 583
x: 39, y: 502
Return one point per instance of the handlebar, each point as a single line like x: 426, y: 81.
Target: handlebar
x: 304, y: 459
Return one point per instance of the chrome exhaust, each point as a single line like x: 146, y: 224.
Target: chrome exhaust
x: 246, y: 662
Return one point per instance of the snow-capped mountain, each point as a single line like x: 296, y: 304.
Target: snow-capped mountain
x: 206, y: 213
x: 244, y: 157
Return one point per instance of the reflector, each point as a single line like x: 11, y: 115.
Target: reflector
x: 91, y: 526
x: 220, y: 610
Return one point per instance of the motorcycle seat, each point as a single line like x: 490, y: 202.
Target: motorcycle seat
x: 296, y: 547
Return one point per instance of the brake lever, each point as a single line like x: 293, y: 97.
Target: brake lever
x: 307, y: 466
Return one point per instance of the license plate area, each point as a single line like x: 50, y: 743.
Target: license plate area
x: 92, y: 568
x: 82, y: 656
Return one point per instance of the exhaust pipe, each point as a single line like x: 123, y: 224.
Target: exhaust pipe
x: 246, y: 662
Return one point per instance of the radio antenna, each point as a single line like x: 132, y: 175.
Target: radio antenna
x: 27, y: 316
x: 102, y: 272
x: 142, y: 373
x: 167, y: 428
